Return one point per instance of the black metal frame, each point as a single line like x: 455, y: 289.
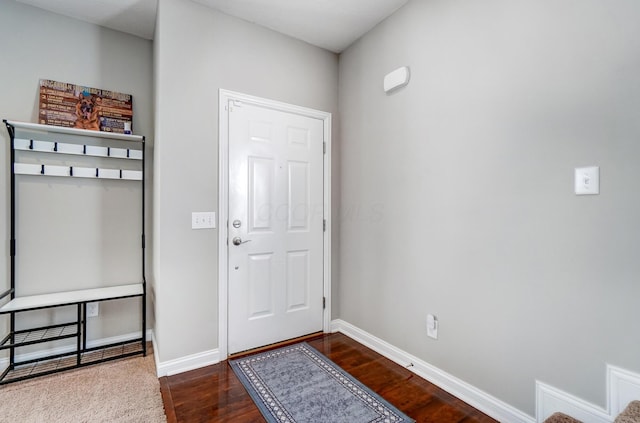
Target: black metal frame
x: 80, y: 324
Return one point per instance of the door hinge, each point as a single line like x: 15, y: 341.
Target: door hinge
x: 324, y: 302
x: 324, y: 148
x: 324, y: 225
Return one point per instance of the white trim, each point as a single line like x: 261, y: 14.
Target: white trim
x: 35, y: 355
x: 326, y: 326
x: 550, y: 400
x: 623, y: 387
x: 223, y: 221
x: 183, y: 364
x: 473, y: 396
x: 223, y: 202
x: 189, y: 362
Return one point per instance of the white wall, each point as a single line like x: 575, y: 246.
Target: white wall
x: 197, y: 52
x: 464, y: 186
x: 42, y: 45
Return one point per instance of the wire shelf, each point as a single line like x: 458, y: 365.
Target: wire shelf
x: 70, y: 361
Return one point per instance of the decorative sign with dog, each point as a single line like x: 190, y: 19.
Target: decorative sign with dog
x: 75, y: 106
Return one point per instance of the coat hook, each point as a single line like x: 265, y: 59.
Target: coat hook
x: 30, y: 144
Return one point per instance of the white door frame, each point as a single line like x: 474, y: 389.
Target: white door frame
x: 223, y: 204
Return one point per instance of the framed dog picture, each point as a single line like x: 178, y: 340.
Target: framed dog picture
x: 75, y: 106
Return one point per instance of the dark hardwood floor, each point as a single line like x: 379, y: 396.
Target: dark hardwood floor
x: 214, y: 393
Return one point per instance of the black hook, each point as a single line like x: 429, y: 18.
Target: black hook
x: 30, y: 144
x: 42, y: 170
x: 55, y: 146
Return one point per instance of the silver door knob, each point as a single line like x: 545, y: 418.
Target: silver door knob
x: 238, y: 241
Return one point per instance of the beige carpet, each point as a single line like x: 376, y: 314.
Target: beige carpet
x: 126, y: 390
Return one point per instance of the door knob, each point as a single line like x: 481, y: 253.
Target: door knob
x: 238, y: 241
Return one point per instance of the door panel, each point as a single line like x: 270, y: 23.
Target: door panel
x: 275, y: 281
x: 261, y: 193
x: 297, y: 280
x: 260, y: 286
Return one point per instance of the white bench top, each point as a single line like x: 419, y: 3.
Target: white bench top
x: 71, y: 297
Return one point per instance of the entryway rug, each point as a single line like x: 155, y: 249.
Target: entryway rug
x: 299, y: 384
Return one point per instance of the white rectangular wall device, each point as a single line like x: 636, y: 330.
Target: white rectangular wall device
x: 397, y: 79
x: 587, y: 180
x: 203, y: 220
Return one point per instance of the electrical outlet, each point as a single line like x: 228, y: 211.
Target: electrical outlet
x: 432, y: 326
x: 93, y: 309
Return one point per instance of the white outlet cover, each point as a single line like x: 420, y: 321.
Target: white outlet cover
x: 93, y: 309
x: 432, y: 326
x: 587, y: 180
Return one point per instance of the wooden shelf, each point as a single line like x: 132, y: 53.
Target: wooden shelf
x: 73, y: 131
x: 33, y: 302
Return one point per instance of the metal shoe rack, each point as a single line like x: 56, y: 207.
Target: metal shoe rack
x: 79, y: 355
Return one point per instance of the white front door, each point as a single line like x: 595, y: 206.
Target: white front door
x: 275, y: 229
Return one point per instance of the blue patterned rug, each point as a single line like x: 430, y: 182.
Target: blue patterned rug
x: 298, y: 384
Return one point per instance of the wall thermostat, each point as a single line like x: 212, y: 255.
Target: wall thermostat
x: 397, y: 79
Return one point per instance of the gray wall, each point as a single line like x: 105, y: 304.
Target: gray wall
x: 198, y: 51
x: 464, y: 183
x: 71, y: 234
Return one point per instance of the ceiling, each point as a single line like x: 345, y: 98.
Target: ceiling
x: 137, y: 17
x: 330, y: 24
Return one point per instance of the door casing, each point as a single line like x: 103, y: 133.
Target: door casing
x: 226, y: 96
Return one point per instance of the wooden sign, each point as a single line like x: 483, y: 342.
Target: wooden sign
x: 75, y: 106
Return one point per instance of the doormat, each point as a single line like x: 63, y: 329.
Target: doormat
x: 298, y: 384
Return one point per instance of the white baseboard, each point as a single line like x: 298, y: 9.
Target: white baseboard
x: 550, y: 400
x: 473, y: 396
x: 34, y: 355
x: 184, y: 364
x: 623, y: 387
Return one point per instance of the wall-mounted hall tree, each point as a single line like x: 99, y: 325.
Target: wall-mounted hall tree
x: 76, y: 237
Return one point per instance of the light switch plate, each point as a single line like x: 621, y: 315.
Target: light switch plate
x: 203, y: 220
x: 587, y: 180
